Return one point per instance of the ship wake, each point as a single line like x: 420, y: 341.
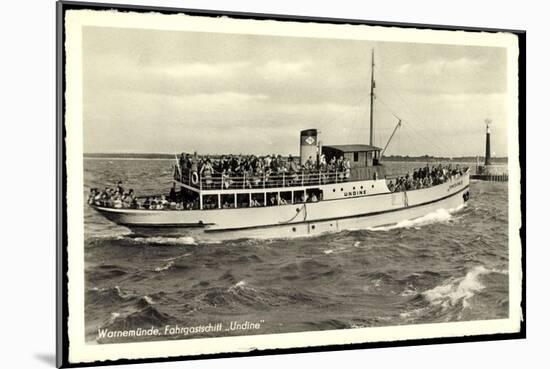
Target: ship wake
x: 438, y: 216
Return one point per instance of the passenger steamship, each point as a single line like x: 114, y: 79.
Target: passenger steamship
x: 357, y: 200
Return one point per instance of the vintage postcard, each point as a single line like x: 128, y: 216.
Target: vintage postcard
x: 237, y: 185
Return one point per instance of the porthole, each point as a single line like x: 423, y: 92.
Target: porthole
x: 361, y: 187
x: 313, y: 226
x: 293, y: 229
x: 334, y: 190
x: 372, y: 186
x: 354, y: 188
x: 341, y: 189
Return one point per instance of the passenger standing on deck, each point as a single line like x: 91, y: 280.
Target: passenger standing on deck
x: 293, y: 170
x: 206, y: 173
x: 173, y: 193
x: 347, y: 169
x: 309, y: 164
x: 267, y: 162
x: 119, y: 188
x: 182, y: 167
x: 323, y: 162
x: 194, y: 164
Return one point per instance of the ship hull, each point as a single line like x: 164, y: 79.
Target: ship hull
x: 296, y: 220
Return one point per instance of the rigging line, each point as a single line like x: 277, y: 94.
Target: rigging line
x: 411, y: 126
x: 406, y: 105
x: 357, y: 111
x: 348, y: 111
x: 392, y: 88
x: 414, y: 139
x: 443, y: 149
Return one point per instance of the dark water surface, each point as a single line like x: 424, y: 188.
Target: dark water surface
x: 443, y: 267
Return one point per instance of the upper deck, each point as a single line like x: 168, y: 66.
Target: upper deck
x: 220, y: 182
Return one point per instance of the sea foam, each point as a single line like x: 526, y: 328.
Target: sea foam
x: 438, y: 216
x: 187, y: 240
x: 165, y: 267
x: 458, y: 290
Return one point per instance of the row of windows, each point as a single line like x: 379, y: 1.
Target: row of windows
x: 246, y: 200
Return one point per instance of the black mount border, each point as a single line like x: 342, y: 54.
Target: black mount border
x: 62, y: 308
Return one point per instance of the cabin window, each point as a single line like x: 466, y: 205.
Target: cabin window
x: 299, y: 197
x: 243, y: 200
x: 187, y: 198
x: 355, y: 156
x: 314, y: 195
x: 369, y: 158
x: 228, y: 201
x: 210, y: 202
x: 376, y: 159
x: 285, y: 198
x: 272, y: 198
x: 258, y: 199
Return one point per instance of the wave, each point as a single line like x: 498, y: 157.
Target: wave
x: 242, y: 294
x: 165, y: 267
x: 146, y: 301
x: 159, y: 240
x: 117, y: 297
x: 103, y: 296
x: 438, y: 216
x: 171, y: 262
x: 239, y: 285
x: 457, y: 291
x: 130, y: 311
x: 335, y: 250
x: 105, y: 272
x: 147, y: 316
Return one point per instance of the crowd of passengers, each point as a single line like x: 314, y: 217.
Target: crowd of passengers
x: 425, y: 177
x: 252, y: 170
x: 118, y: 198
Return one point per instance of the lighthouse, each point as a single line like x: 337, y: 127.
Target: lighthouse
x: 487, y: 143
x: 490, y: 172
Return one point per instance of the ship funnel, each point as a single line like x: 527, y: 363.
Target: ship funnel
x: 308, y: 145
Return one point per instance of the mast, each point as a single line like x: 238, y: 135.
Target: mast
x: 371, y: 137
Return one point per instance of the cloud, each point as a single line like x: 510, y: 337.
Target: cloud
x: 222, y: 98
x: 282, y: 70
x: 216, y: 91
x: 440, y: 66
x: 197, y: 70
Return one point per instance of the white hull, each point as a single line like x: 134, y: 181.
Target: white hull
x: 340, y: 210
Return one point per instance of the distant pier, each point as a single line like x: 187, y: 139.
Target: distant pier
x: 491, y: 177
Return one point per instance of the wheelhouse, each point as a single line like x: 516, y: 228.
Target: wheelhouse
x: 364, y: 160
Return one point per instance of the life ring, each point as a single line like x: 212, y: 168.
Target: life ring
x: 195, y: 178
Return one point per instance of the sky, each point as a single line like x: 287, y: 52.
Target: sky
x: 151, y: 91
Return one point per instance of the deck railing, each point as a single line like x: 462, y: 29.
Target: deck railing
x: 257, y: 181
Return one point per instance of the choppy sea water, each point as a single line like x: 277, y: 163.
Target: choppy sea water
x: 443, y: 267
